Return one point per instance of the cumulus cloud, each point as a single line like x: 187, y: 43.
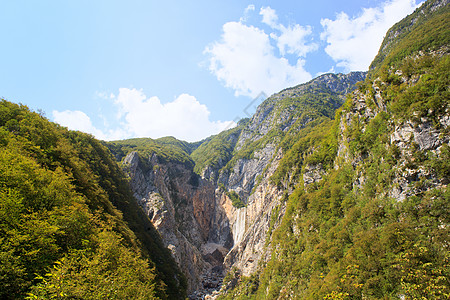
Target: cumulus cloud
x: 269, y: 15
x: 247, y: 11
x: 142, y: 116
x: 78, y: 120
x: 346, y: 36
x: 184, y: 118
x: 245, y: 60
x: 292, y: 40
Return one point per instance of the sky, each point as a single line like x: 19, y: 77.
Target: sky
x: 188, y: 69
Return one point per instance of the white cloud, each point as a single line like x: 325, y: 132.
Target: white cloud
x: 78, y: 120
x: 354, y: 42
x: 184, y: 118
x: 269, y: 15
x: 292, y: 40
x: 139, y: 116
x: 249, y: 8
x: 247, y: 12
x: 245, y: 60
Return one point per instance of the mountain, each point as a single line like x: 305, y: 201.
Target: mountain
x: 334, y: 189
x: 70, y: 227
x: 197, y: 196
x: 368, y: 214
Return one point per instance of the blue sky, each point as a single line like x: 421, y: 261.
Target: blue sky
x: 122, y: 69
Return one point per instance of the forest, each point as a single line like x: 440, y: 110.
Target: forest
x: 69, y: 225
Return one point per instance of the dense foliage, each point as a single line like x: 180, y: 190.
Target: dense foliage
x: 62, y: 232
x: 283, y: 114
x: 315, y: 136
x: 345, y: 236
x: 426, y: 29
x: 217, y: 151
x: 167, y: 149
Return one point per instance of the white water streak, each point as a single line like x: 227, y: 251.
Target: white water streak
x: 239, y: 225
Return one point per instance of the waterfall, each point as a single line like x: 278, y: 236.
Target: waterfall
x: 239, y: 225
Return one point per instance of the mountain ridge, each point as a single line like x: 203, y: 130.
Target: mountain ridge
x: 209, y: 200
x: 301, y: 159
x: 334, y: 189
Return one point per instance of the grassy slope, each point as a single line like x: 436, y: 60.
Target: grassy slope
x: 423, y: 30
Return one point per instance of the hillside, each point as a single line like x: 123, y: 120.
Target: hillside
x: 275, y: 125
x: 196, y: 194
x: 334, y: 189
x: 370, y: 220
x: 69, y: 225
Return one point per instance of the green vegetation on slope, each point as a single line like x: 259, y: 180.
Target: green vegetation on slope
x: 344, y: 237
x: 287, y: 112
x: 167, y: 149
x: 185, y: 146
x: 315, y: 138
x: 234, y: 197
x: 314, y: 105
x: 429, y: 97
x: 217, y: 150
x: 61, y: 224
x: 341, y: 241
x: 423, y: 30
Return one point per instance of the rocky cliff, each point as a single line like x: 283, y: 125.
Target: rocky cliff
x: 256, y: 156
x: 367, y: 214
x: 195, y: 208
x: 304, y: 198
x: 181, y: 205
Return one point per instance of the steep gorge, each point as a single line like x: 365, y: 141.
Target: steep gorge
x: 367, y: 217
x: 311, y: 198
x: 334, y: 189
x: 207, y: 233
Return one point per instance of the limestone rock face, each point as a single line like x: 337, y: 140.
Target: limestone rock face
x: 243, y: 175
x: 416, y: 136
x: 422, y: 133
x: 313, y: 173
x: 409, y: 136
x: 181, y: 205
x: 194, y: 214
x: 252, y: 227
